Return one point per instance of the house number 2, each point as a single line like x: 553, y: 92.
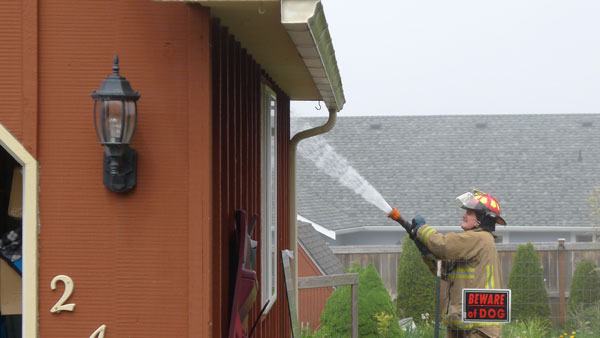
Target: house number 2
x: 61, y: 306
x: 69, y: 286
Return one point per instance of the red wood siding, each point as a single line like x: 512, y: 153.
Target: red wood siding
x: 141, y: 262
x: 236, y: 126
x: 11, y: 107
x: 312, y: 301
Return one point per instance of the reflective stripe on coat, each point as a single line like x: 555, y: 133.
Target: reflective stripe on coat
x: 470, y: 260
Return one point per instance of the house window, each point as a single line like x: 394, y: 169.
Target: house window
x: 584, y: 238
x: 269, y: 197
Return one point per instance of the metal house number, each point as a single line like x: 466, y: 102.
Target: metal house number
x: 69, y: 286
x: 99, y: 333
x: 60, y: 305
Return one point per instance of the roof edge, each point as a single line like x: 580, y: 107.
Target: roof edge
x: 305, y: 22
x: 319, y: 228
x: 310, y: 256
x: 448, y: 228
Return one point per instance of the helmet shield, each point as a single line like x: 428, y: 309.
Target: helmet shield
x: 468, y: 201
x: 481, y: 202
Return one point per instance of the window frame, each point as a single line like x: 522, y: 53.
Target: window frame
x: 269, y: 202
x: 29, y: 222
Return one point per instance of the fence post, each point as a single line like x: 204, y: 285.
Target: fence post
x: 354, y: 288
x: 562, y: 282
x: 286, y: 257
x: 438, y: 300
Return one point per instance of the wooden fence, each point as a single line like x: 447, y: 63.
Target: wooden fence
x: 315, y: 282
x: 333, y: 281
x: 385, y: 260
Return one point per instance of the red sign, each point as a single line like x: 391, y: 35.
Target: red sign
x: 486, y: 305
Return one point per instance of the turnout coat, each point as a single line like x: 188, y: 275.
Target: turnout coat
x: 470, y: 260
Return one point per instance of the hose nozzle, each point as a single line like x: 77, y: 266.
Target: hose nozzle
x: 394, y: 214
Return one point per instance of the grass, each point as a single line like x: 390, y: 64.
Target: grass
x: 533, y: 328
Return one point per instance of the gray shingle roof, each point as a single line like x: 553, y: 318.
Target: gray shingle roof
x: 542, y: 168
x: 313, y: 242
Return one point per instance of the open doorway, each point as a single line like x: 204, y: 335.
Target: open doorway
x: 11, y: 245
x: 18, y: 233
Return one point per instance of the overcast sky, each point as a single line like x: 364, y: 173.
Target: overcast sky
x: 430, y: 57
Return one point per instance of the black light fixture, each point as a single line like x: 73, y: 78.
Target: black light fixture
x: 115, y: 118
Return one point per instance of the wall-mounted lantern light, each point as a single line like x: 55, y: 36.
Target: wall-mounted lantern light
x: 115, y: 118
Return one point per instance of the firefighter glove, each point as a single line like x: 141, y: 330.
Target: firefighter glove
x: 416, y: 223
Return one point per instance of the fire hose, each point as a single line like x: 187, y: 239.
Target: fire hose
x: 395, y: 215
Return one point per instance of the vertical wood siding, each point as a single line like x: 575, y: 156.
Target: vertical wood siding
x: 236, y: 80
x: 11, y: 64
x: 141, y: 261
x: 312, y: 301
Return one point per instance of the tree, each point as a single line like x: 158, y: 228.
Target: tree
x: 594, y: 202
x: 373, y: 303
x: 526, y: 281
x: 585, y: 286
x: 416, y: 284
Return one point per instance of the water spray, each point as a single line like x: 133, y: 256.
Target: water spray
x: 323, y: 155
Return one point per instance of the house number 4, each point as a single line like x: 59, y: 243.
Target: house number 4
x: 61, y: 306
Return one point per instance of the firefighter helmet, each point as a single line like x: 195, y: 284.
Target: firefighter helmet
x: 481, y: 202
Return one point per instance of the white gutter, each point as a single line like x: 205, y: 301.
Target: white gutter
x: 305, y: 22
x: 319, y: 228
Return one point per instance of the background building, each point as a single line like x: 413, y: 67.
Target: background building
x: 544, y: 169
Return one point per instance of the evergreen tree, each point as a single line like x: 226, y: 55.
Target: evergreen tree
x: 585, y: 286
x: 529, y: 295
x: 416, y: 284
x: 373, y: 302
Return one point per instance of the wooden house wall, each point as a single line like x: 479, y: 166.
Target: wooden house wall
x: 18, y: 63
x: 140, y: 262
x: 236, y: 125
x: 311, y: 301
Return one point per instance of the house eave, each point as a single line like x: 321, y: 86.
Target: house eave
x: 290, y: 39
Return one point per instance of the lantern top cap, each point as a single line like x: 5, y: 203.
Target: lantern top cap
x: 115, y: 86
x: 116, y: 64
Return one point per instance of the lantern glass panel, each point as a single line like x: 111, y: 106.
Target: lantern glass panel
x: 130, y: 121
x: 114, y: 120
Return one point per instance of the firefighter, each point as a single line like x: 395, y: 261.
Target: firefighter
x: 470, y: 259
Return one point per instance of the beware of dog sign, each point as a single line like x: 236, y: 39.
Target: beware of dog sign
x: 486, y: 305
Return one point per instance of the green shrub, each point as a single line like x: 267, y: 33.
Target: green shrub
x: 585, y: 320
x: 373, y: 300
x: 531, y: 328
x: 416, y: 284
x: 526, y: 281
x: 585, y: 286
x: 306, y: 332
x: 384, y: 323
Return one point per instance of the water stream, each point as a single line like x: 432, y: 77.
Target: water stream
x: 324, y: 156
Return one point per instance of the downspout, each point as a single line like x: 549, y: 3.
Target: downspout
x: 292, y: 188
x: 305, y: 22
